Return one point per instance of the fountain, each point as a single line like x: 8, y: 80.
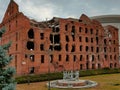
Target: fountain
x: 71, y: 80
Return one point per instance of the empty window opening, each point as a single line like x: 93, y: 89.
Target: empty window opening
x: 30, y: 45
x: 67, y: 38
x: 66, y: 27
x: 67, y: 58
x: 41, y: 47
x: 99, y: 66
x: 93, y: 58
x: 87, y: 65
x: 92, y: 49
x: 105, y: 56
x: 51, y: 47
x: 98, y: 57
x: 74, y: 58
x: 16, y: 36
x: 105, y: 49
x: 73, y: 37
x: 80, y: 47
x: 91, y: 31
x: 114, y: 42
x: 59, y: 58
x: 26, y: 55
x: 80, y: 29
x: 97, y: 40
x: 42, y: 58
x: 51, y: 58
x: 93, y: 66
x: 111, y: 65
x: 81, y: 66
x: 16, y: 62
x: 81, y: 57
x: 41, y: 36
x: 97, y: 32
x: 97, y: 50
x: 16, y: 47
x: 87, y: 57
x: 66, y: 47
x: 73, y: 48
x: 111, y: 57
x: 57, y: 48
x: 51, y: 38
x: 56, y: 39
x: 105, y: 41
x: 115, y: 57
x: 57, y: 29
x: 91, y: 40
x: 73, y: 33
x: 115, y: 65
x: 31, y: 34
x: 80, y: 39
x: 32, y: 70
x: 86, y: 30
x: 53, y: 29
x: 87, y: 48
x: 32, y: 58
x: 86, y: 39
x: 114, y: 49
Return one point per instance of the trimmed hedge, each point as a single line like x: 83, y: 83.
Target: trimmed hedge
x: 59, y: 75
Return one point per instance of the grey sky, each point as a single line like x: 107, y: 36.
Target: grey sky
x: 42, y: 9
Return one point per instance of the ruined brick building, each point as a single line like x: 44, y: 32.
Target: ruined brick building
x: 61, y: 44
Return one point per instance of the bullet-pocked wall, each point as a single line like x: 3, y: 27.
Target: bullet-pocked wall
x: 58, y: 44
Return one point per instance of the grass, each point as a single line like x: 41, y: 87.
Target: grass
x: 105, y: 82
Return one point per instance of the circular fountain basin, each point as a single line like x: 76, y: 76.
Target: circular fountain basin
x: 72, y: 84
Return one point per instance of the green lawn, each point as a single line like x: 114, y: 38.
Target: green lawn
x: 105, y: 82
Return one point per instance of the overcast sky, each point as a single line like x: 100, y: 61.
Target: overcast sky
x: 42, y: 9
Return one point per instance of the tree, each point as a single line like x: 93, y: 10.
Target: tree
x: 7, y: 81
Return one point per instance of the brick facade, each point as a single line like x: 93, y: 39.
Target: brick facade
x: 61, y: 44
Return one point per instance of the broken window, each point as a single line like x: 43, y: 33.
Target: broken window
x: 115, y: 65
x: 92, y: 49
x: 32, y: 70
x: 51, y: 47
x: 87, y: 48
x: 32, y: 58
x: 31, y: 34
x: 114, y: 49
x: 111, y: 57
x: 97, y: 32
x: 41, y: 36
x: 30, y: 45
x: 80, y: 47
x: 105, y: 56
x: 53, y: 29
x: 98, y: 57
x: 87, y: 57
x: 16, y: 47
x: 67, y: 58
x: 115, y: 57
x: 67, y: 38
x: 16, y: 36
x: 42, y: 58
x: 73, y: 48
x: 41, y: 47
x: 66, y: 47
x: 51, y: 38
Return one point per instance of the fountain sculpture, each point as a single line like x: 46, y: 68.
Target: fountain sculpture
x: 71, y: 80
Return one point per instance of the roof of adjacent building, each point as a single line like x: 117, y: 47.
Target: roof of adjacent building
x: 107, y: 18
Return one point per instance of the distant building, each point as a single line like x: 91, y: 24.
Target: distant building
x: 61, y: 44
